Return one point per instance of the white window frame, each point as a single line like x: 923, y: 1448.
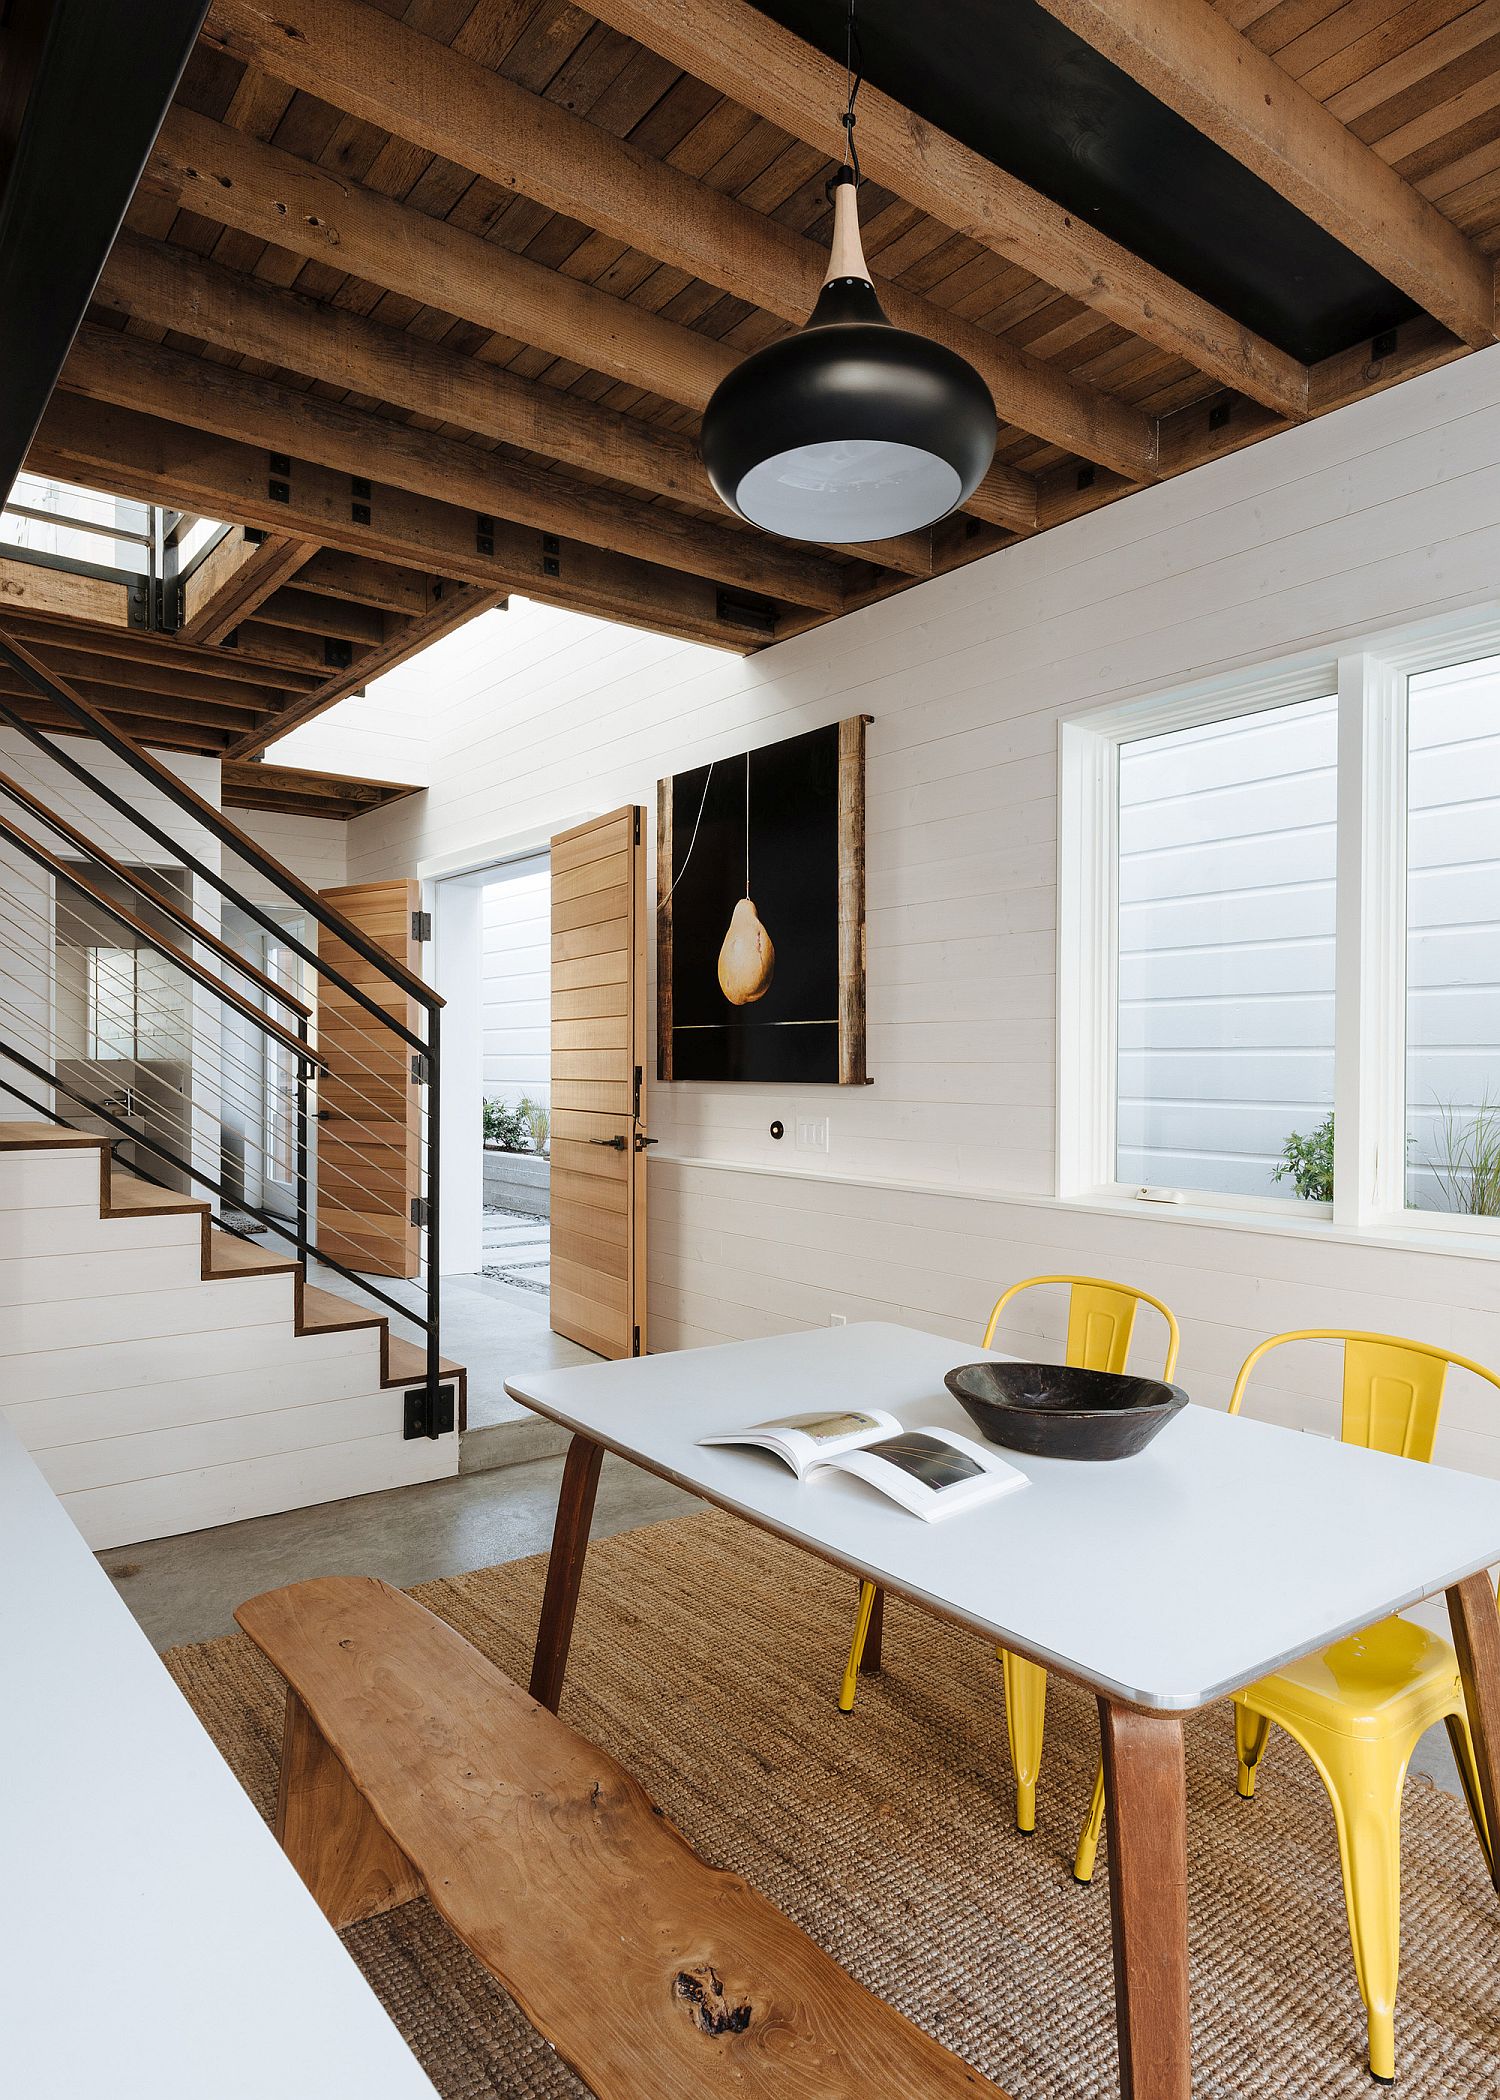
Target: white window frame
x: 1369, y: 675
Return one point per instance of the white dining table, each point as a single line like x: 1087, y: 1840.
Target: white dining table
x: 1162, y: 1583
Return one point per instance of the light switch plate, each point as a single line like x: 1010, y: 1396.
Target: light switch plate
x: 812, y: 1133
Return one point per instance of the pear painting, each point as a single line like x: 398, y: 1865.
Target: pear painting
x: 760, y: 914
x: 747, y: 960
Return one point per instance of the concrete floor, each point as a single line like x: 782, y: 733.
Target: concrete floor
x: 185, y: 1589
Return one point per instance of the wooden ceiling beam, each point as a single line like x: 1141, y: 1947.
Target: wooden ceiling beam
x: 36, y: 587
x: 769, y: 70
x: 292, y: 650
x: 221, y: 723
x: 147, y: 648
x: 145, y: 729
x: 137, y: 455
x: 173, y: 290
x: 371, y: 583
x: 232, y: 579
x: 186, y: 685
x: 453, y: 605
x: 321, y: 787
x: 379, y: 69
x: 1197, y: 62
x: 308, y: 612
x: 131, y: 373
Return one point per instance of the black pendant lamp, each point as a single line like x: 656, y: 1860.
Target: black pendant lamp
x: 852, y: 429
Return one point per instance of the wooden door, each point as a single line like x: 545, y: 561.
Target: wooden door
x: 598, y: 1074
x: 369, y: 1111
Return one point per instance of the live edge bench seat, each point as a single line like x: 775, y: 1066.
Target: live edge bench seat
x: 412, y: 1766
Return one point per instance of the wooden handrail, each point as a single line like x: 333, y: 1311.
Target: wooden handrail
x: 122, y: 873
x: 60, y: 868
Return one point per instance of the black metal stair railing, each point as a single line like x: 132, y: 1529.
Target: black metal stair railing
x: 114, y: 860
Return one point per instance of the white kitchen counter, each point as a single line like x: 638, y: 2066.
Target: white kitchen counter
x: 154, y: 1943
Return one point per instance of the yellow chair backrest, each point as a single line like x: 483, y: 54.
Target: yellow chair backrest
x: 1101, y: 1320
x: 1393, y: 1389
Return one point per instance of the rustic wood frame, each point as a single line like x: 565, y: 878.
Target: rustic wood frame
x: 852, y: 944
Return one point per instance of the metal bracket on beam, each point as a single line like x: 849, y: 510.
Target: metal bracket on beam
x: 484, y: 534
x: 337, y: 655
x: 551, y: 554
x: 359, y: 499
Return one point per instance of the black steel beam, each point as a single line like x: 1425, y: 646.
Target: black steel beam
x: 98, y: 76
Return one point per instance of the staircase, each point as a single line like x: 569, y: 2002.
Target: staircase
x: 168, y: 1375
x: 168, y: 1349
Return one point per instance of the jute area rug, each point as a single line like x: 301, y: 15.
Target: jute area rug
x: 707, y: 1656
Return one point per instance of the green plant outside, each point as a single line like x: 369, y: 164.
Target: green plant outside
x: 1467, y: 1161
x: 521, y: 1126
x: 1307, y: 1162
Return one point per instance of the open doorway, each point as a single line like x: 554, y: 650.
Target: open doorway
x: 492, y: 928
x: 515, y: 952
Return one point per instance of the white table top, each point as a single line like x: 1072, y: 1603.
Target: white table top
x: 154, y: 1942
x: 1168, y: 1580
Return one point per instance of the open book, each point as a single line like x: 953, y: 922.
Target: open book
x: 932, y: 1472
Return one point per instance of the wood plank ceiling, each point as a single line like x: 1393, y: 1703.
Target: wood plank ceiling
x: 430, y: 294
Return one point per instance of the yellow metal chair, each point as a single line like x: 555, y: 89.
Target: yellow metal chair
x: 1101, y: 1320
x: 1360, y: 1707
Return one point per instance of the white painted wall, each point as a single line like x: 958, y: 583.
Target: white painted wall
x: 516, y: 966
x: 937, y: 1188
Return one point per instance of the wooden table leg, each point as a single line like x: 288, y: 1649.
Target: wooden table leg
x: 1476, y: 1636
x: 570, y: 1544
x: 1145, y: 1791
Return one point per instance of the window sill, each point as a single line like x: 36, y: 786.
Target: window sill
x: 1484, y: 1246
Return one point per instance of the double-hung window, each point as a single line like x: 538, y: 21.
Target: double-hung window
x: 1280, y: 939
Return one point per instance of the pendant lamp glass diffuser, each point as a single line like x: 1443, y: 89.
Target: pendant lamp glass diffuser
x: 851, y: 429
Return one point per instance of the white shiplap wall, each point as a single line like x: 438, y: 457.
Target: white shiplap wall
x: 517, y: 962
x: 935, y: 1190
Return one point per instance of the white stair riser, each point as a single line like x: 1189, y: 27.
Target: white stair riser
x: 304, y: 1426
x: 49, y: 1180
x: 201, y: 1308
x: 158, y: 1400
x: 250, y: 1370
x: 78, y: 1229
x: 257, y: 1487
x: 119, y: 1271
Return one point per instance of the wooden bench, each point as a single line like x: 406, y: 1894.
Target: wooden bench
x: 411, y: 1765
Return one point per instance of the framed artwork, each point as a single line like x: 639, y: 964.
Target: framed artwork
x: 760, y: 920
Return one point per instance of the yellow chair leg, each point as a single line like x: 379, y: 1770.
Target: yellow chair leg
x: 1364, y: 1782
x: 1251, y: 1733
x: 1089, y: 1836
x: 1468, y: 1771
x: 1025, y: 1718
x: 850, y: 1685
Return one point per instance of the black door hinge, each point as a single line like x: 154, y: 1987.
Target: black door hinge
x: 421, y: 1211
x: 635, y: 1341
x: 421, y: 925
x: 421, y: 1070
x: 635, y: 1106
x: 638, y: 827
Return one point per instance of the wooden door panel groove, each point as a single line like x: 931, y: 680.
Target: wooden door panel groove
x: 369, y: 1148
x: 598, y: 1191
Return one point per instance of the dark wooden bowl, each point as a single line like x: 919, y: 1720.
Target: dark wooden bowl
x: 1054, y: 1411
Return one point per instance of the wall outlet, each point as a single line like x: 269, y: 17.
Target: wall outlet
x: 812, y: 1133
x: 837, y: 1320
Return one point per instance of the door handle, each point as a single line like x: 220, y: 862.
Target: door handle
x: 615, y: 1144
x: 642, y: 1142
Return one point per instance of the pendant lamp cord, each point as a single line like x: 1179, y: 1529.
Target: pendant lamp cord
x: 854, y: 73
x: 747, y: 823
